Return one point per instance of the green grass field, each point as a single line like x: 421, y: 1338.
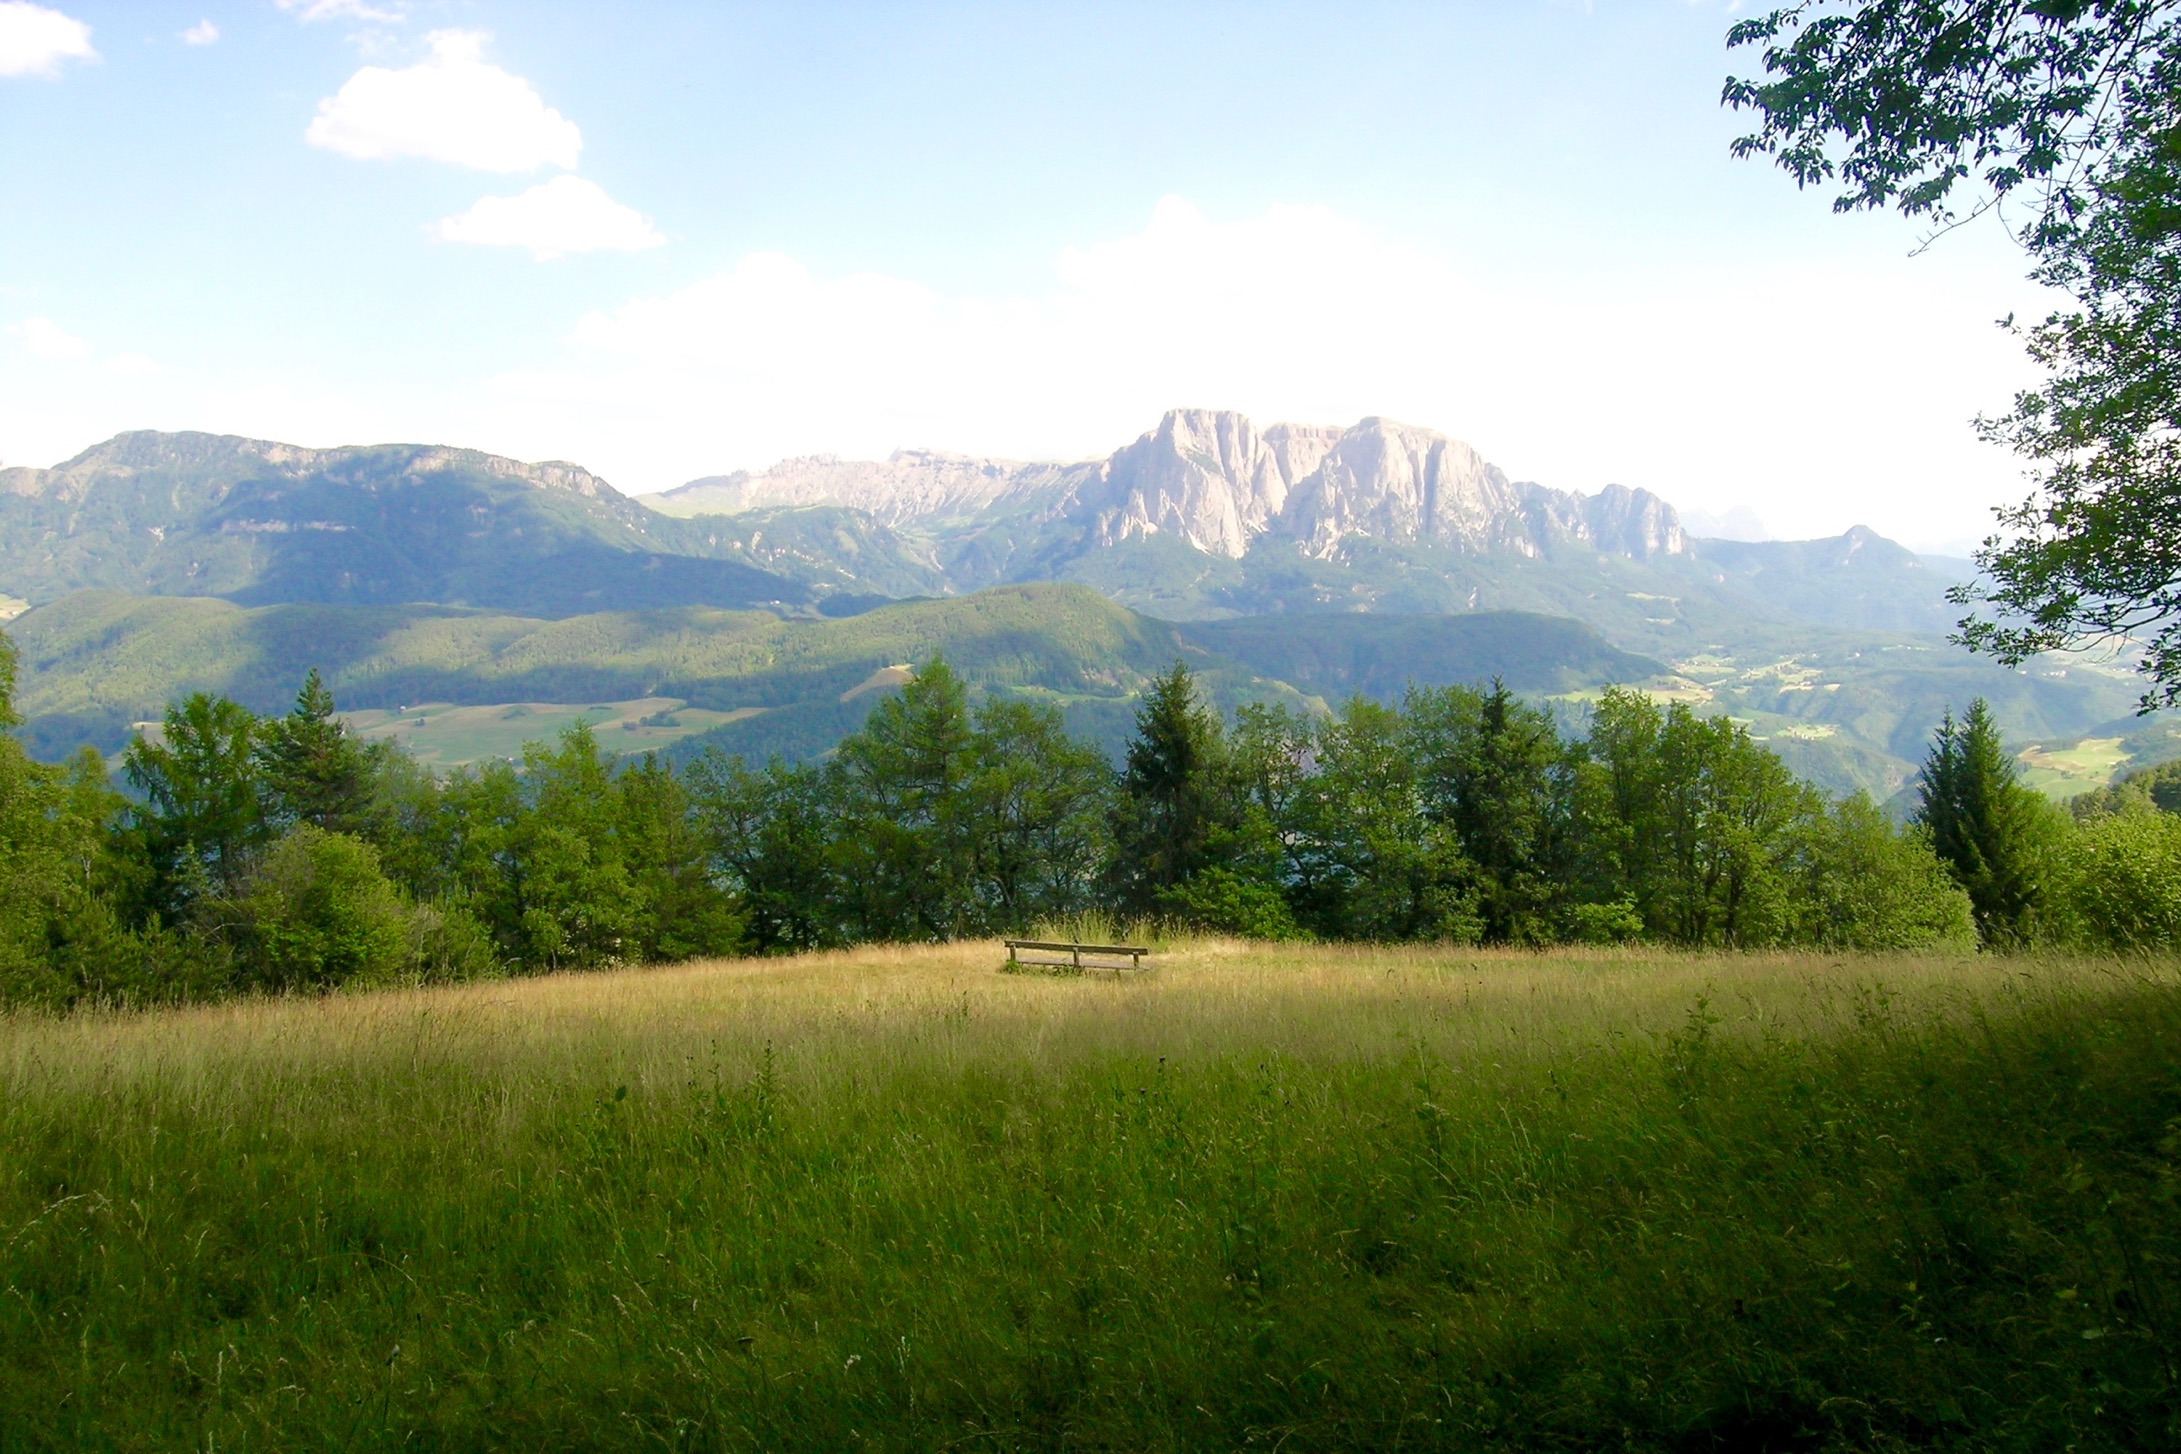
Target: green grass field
x: 443, y: 734
x: 1258, y: 1199
x: 2063, y: 770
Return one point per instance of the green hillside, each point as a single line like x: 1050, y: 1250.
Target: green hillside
x: 1860, y: 580
x: 825, y: 547
x: 1666, y: 605
x: 1848, y: 709
x: 1845, y: 708
x: 1336, y: 654
x: 96, y: 662
x: 1831, y: 649
x: 261, y: 523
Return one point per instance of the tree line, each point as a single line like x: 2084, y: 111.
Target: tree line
x: 242, y: 853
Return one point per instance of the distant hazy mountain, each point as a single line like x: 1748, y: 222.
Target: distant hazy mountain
x: 913, y: 486
x: 1291, y: 562
x: 1203, y: 517
x: 256, y: 522
x: 1859, y: 579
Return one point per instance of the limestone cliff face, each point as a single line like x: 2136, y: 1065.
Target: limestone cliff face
x: 1391, y: 482
x: 1205, y: 475
x: 1634, y: 523
x: 1213, y: 479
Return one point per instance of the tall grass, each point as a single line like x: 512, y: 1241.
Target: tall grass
x: 1262, y: 1198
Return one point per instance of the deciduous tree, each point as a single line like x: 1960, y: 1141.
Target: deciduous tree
x: 2065, y: 115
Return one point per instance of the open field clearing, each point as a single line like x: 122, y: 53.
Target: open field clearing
x: 1258, y: 1198
x: 442, y: 734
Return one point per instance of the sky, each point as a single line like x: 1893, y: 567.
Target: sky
x: 671, y: 240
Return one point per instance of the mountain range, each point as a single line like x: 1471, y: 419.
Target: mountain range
x: 1292, y: 561
x: 1206, y: 515
x: 1216, y: 482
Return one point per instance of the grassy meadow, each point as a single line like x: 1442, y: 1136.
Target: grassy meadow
x: 1260, y: 1198
x: 448, y: 734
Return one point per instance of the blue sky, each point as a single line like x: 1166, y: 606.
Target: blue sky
x: 670, y: 240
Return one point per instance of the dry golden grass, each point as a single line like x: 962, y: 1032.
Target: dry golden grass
x: 1200, y: 997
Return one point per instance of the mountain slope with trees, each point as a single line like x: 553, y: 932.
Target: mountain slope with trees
x: 1203, y: 517
x: 1206, y: 515
x: 96, y: 663
x: 1847, y: 709
x: 261, y: 523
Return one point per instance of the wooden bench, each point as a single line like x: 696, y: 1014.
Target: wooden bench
x: 1037, y: 953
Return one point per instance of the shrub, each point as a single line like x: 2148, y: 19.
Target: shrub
x: 2117, y: 884
x: 1872, y: 886
x: 1226, y: 902
x: 446, y: 944
x: 315, y: 912
x: 1618, y: 922
x: 312, y: 912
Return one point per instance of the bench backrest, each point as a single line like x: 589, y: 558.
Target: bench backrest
x: 1052, y: 955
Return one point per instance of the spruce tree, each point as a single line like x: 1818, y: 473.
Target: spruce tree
x: 1984, y: 824
x: 315, y: 770
x: 1170, y: 791
x: 901, y: 790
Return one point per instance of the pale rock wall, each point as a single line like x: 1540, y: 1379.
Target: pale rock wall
x: 1213, y: 479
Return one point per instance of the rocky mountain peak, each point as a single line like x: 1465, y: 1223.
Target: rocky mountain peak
x: 1634, y: 523
x: 1206, y: 475
x: 552, y: 474
x: 1396, y: 482
x: 1212, y: 478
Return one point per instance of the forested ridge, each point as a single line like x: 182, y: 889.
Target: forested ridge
x: 243, y: 853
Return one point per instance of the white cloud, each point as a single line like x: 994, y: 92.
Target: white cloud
x: 34, y: 40
x: 567, y: 214
x: 308, y: 10
x: 47, y: 339
x: 451, y: 108
x: 132, y: 365
x: 204, y: 32
x: 1818, y: 392
x: 1819, y: 389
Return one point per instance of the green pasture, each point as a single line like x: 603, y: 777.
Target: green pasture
x: 445, y: 734
x: 2062, y: 770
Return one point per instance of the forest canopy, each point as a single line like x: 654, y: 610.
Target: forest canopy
x: 250, y: 854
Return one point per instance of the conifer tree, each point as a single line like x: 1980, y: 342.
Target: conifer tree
x: 315, y: 770
x: 1984, y: 824
x: 1491, y: 773
x: 1169, y: 804
x: 901, y: 786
